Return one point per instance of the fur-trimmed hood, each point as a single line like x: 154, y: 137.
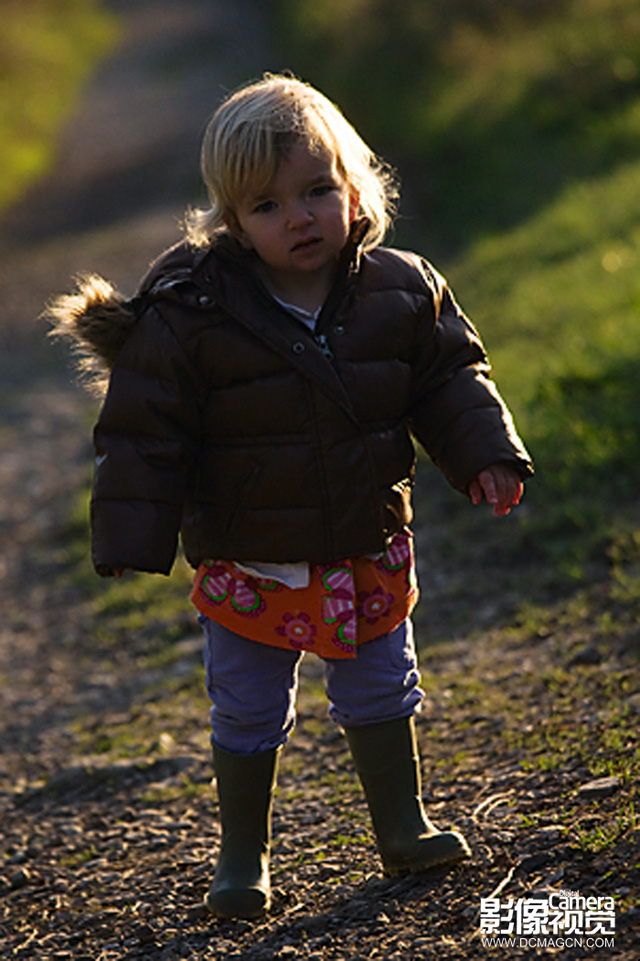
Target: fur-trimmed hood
x: 97, y: 319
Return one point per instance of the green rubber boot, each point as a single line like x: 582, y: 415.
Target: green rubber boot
x: 386, y: 759
x: 241, y: 887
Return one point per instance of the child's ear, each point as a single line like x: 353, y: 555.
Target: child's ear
x: 233, y: 226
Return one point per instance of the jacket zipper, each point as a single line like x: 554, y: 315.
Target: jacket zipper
x: 323, y: 344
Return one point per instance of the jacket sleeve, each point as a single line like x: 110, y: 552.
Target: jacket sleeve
x: 145, y: 441
x: 457, y: 413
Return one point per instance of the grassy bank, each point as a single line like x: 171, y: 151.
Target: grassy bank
x: 516, y: 130
x: 47, y: 51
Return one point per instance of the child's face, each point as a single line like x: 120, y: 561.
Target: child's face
x: 299, y: 224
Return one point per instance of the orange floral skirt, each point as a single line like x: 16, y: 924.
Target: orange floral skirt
x: 345, y: 604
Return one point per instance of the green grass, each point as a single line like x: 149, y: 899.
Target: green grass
x: 599, y: 838
x: 48, y: 48
x: 566, y: 717
x: 559, y: 294
x: 146, y: 602
x: 516, y: 128
x: 495, y: 105
x: 151, y: 611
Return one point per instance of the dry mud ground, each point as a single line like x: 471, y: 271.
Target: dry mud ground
x: 109, y: 825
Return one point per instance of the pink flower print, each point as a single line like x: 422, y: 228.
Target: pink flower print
x: 339, y: 581
x: 335, y: 610
x: 339, y: 602
x: 375, y: 605
x: 298, y: 629
x: 345, y: 634
x: 397, y: 554
x: 217, y: 583
x: 246, y: 599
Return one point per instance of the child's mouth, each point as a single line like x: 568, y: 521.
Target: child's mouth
x: 306, y: 244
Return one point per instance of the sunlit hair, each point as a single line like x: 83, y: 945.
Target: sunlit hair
x: 252, y: 131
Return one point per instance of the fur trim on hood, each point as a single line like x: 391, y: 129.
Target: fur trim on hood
x: 97, y: 319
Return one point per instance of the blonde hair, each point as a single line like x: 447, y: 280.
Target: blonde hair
x: 252, y: 130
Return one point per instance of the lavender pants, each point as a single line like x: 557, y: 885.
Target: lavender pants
x: 253, y: 686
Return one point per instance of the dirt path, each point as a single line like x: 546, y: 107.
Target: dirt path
x: 127, y: 167
x: 109, y: 829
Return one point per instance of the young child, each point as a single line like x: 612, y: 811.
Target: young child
x: 265, y: 385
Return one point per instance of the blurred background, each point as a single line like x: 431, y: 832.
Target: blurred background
x: 515, y: 128
x: 516, y: 132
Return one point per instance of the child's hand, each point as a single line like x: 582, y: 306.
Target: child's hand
x: 500, y: 485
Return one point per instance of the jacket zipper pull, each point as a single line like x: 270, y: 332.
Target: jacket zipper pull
x: 321, y: 341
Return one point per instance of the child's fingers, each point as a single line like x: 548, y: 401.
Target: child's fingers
x: 490, y: 482
x: 501, y: 487
x: 517, y: 495
x: 475, y: 492
x: 510, y: 490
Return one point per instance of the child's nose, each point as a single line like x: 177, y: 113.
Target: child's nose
x: 298, y: 214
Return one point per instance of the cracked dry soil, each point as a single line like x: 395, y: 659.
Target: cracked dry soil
x: 109, y: 828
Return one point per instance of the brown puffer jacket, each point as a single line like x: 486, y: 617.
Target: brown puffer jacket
x: 226, y: 419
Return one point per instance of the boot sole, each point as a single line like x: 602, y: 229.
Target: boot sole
x: 406, y: 870
x: 428, y: 862
x: 238, y: 903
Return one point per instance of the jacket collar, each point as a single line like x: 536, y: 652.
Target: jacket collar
x: 186, y: 263
x: 237, y: 288
x: 228, y: 249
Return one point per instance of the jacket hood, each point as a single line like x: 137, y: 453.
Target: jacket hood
x: 97, y: 319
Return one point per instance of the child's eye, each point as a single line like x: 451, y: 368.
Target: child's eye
x: 265, y: 207
x: 321, y: 190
